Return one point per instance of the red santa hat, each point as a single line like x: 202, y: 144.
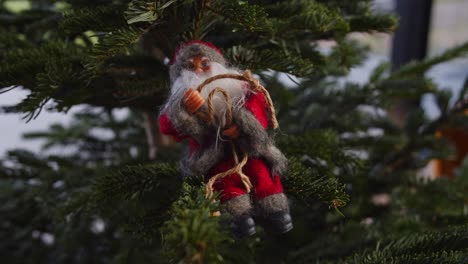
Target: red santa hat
x: 190, y: 49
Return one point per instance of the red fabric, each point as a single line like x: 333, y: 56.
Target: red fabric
x: 193, y: 145
x: 259, y: 174
x: 231, y: 186
x: 166, y: 127
x: 256, y: 104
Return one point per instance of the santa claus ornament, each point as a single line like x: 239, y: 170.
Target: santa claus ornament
x: 225, y: 115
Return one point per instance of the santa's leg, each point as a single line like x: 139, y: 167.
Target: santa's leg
x: 270, y: 202
x: 235, y: 201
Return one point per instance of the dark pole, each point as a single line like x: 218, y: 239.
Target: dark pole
x: 409, y: 43
x: 410, y: 40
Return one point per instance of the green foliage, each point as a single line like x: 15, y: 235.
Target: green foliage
x: 417, y: 69
x: 324, y: 160
x: 309, y: 184
x: 442, y: 247
x: 47, y: 67
x: 112, y: 44
x: 291, y: 63
x: 311, y: 19
x: 241, y: 15
x: 98, y: 19
x: 146, y: 11
x: 129, y: 193
x: 449, y: 200
x: 192, y: 234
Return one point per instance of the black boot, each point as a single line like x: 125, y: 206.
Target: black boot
x: 273, y: 213
x: 242, y: 226
x: 278, y: 223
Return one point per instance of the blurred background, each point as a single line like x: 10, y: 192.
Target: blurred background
x: 447, y: 27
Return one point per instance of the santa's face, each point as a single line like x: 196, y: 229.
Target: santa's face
x: 197, y: 69
x: 199, y: 64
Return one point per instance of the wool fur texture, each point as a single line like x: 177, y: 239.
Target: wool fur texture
x: 244, y: 167
x: 254, y: 138
x: 240, y: 205
x: 272, y: 204
x: 190, y: 50
x: 237, y: 90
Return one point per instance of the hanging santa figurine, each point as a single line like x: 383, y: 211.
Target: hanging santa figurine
x: 225, y: 115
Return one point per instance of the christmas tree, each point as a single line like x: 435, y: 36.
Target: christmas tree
x: 352, y: 177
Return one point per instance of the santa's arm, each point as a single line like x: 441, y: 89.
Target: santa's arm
x: 166, y: 127
x: 252, y: 121
x: 178, y: 121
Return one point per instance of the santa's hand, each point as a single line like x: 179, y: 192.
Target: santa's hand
x: 192, y: 100
x: 232, y: 131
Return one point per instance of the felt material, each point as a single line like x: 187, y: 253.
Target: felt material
x: 205, y: 152
x: 190, y: 50
x: 185, y: 124
x: 255, y: 138
x: 208, y: 153
x: 272, y: 204
x: 191, y: 42
x: 166, y: 127
x: 256, y: 104
x: 199, y: 162
x: 231, y: 186
x: 240, y: 205
x: 195, y: 162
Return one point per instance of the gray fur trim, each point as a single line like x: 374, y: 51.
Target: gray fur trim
x: 256, y: 139
x: 276, y: 160
x: 184, y: 122
x: 201, y: 161
x: 272, y: 204
x: 240, y: 205
x: 190, y: 51
x: 253, y: 138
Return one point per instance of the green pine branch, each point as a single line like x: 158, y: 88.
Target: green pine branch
x: 10, y: 41
x: 310, y: 184
x: 448, y: 246
x: 97, y: 19
x: 46, y: 71
x: 147, y: 11
x: 269, y: 58
x: 416, y: 69
x: 242, y: 16
x: 449, y: 198
x: 192, y: 234
x: 134, y: 181
x: 114, y: 43
x: 372, y: 23
x: 308, y: 19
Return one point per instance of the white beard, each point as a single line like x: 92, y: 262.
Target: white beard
x: 236, y: 89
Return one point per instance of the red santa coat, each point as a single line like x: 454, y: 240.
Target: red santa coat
x: 231, y: 186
